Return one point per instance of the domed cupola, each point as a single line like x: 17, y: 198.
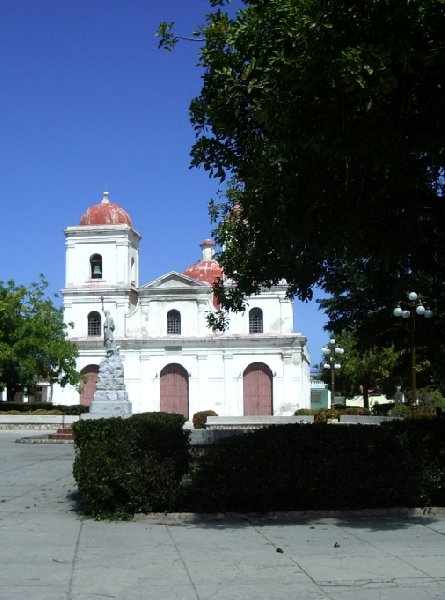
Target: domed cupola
x: 105, y: 213
x: 207, y: 269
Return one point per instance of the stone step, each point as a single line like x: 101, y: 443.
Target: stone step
x: 64, y: 433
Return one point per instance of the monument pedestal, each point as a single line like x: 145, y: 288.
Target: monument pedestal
x: 111, y: 397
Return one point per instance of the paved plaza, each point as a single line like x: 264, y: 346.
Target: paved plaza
x: 50, y: 552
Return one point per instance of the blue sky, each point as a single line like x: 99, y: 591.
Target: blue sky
x: 88, y: 102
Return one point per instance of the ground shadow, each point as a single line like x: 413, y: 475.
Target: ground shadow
x: 370, y: 521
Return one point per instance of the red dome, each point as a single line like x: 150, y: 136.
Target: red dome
x: 105, y: 213
x: 207, y: 269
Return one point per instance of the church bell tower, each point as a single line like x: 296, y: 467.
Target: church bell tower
x: 102, y: 269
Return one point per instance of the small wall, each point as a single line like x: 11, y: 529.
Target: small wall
x: 366, y: 419
x: 43, y: 422
x: 254, y: 422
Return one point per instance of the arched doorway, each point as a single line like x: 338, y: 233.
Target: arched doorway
x: 88, y: 388
x: 257, y: 390
x: 175, y: 390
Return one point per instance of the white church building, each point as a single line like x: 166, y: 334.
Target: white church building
x: 172, y: 361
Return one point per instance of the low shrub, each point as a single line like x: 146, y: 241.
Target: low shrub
x: 302, y: 467
x: 76, y: 409
x: 322, y: 415
x: 310, y: 467
x: 142, y: 464
x: 22, y: 407
x: 429, y: 400
x: 425, y: 441
x: 200, y: 418
x: 399, y: 410
x: 125, y: 466
x: 382, y: 409
x: 43, y: 411
x: 43, y: 408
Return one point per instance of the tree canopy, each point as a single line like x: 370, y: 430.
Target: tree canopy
x: 361, y: 301
x: 324, y: 121
x: 364, y: 367
x: 33, y: 339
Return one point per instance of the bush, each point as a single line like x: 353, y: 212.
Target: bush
x: 310, y: 467
x: 142, y: 464
x: 426, y: 446
x: 382, y: 409
x: 301, y: 467
x: 322, y: 415
x: 76, y: 409
x: 199, y: 418
x: 125, y: 466
x: 429, y: 400
x: 21, y: 407
x: 400, y: 410
x: 43, y: 408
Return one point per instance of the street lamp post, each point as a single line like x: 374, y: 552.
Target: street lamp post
x: 409, y: 310
x: 331, y: 352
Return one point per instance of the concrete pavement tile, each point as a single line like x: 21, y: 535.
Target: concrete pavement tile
x: 349, y: 568
x: 144, y: 591
x: 47, y: 591
x: 267, y: 591
x: 397, y: 537
x: 244, y: 543
x: 204, y: 572
x: 394, y: 590
x: 437, y: 524
x: 430, y: 565
x: 39, y: 573
x: 112, y: 581
x: 306, y: 540
x: 125, y: 544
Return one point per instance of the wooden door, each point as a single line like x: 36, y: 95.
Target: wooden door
x: 175, y: 390
x: 257, y: 390
x: 88, y: 388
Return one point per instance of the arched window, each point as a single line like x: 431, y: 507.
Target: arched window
x: 173, y: 321
x: 96, y: 266
x: 256, y: 320
x: 94, y: 323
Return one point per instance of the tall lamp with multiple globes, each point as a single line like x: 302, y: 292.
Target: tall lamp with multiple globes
x: 410, y: 309
x: 331, y: 354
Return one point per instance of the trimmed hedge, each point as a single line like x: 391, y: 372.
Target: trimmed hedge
x: 142, y: 464
x: 125, y: 466
x: 323, y: 467
x: 25, y: 407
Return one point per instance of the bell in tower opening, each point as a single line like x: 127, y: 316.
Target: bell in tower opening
x: 96, y: 266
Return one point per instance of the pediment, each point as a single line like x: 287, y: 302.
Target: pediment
x: 174, y: 280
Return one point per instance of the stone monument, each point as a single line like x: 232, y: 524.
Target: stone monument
x: 110, y: 397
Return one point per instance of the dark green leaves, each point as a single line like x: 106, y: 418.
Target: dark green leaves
x: 33, y: 339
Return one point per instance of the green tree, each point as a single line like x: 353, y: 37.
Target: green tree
x: 362, y: 298
x: 33, y: 339
x: 363, y: 368
x: 325, y: 121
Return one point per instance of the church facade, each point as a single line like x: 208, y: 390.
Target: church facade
x: 172, y: 361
